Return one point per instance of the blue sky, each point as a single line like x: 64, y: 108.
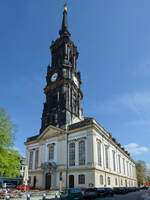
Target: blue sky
x: 113, y: 39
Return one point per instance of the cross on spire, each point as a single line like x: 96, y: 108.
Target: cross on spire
x: 64, y: 28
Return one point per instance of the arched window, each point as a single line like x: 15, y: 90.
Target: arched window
x: 82, y: 152
x: 81, y: 179
x: 108, y: 180
x: 116, y: 182
x: 101, y: 180
x: 121, y: 182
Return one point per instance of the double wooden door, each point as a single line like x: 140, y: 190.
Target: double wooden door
x: 48, y: 181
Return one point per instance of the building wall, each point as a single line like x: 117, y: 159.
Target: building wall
x: 92, y: 169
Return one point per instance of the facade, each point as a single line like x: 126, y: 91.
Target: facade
x: 73, y: 150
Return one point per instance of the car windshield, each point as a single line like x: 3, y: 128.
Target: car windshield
x: 100, y: 189
x: 74, y: 190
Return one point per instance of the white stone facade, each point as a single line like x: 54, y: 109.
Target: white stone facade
x: 106, y: 165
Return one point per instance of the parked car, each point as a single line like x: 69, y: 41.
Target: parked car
x: 71, y: 194
x: 23, y: 187
x: 144, y: 188
x: 10, y: 185
x: 109, y: 192
x: 90, y: 193
x: 120, y: 190
x: 132, y: 189
x: 101, y: 192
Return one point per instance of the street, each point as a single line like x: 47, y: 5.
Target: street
x: 140, y: 195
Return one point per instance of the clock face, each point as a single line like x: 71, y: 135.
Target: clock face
x: 54, y: 77
x: 76, y: 81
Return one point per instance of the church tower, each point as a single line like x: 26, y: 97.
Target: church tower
x: 63, y: 89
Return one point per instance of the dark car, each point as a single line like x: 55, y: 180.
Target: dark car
x: 116, y: 190
x: 144, y: 188
x: 10, y: 185
x: 109, y: 192
x: 71, y: 194
x: 90, y: 193
x: 101, y: 192
x: 132, y: 189
x: 120, y: 190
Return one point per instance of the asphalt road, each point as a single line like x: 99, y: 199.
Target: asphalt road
x: 140, y: 195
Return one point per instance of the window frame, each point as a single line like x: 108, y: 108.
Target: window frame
x: 30, y: 160
x: 81, y: 179
x: 109, y: 180
x: 101, y: 180
x: 36, y: 158
x: 81, y: 153
x: 99, y: 152
x: 51, y: 150
x: 72, y: 154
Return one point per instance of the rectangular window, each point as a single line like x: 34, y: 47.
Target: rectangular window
x: 124, y: 166
x: 101, y: 180
x: 114, y: 160
x: 127, y: 169
x: 82, y: 152
x: 31, y: 160
x: 119, y: 163
x: 81, y: 179
x: 36, y: 158
x: 108, y: 180
x: 99, y: 153
x: 106, y: 156
x: 116, y: 181
x: 51, y: 152
x: 72, y: 154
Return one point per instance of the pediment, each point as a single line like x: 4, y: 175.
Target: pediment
x: 49, y: 132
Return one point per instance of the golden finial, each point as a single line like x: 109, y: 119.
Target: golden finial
x: 65, y: 7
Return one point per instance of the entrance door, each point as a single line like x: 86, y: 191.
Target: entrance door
x: 34, y: 182
x: 48, y: 181
x: 126, y: 183
x: 71, y: 181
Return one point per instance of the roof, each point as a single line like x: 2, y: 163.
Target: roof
x: 87, y: 121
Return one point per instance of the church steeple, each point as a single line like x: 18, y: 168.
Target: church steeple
x: 63, y: 88
x: 64, y: 28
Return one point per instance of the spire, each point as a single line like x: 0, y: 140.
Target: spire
x: 64, y: 29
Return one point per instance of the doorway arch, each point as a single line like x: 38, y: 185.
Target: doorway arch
x: 48, y: 181
x: 71, y: 181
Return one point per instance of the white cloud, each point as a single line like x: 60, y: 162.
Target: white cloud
x: 135, y: 103
x: 135, y: 149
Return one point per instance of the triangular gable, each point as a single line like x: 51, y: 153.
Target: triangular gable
x: 49, y: 131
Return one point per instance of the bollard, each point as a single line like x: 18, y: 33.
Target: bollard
x: 28, y: 197
x: 44, y: 197
x: 7, y: 197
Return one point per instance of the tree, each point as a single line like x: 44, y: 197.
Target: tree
x: 141, y: 170
x: 9, y: 157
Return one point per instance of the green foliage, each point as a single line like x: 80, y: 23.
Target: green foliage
x: 9, y: 157
x: 141, y: 170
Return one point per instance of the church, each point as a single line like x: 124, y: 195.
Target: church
x: 70, y: 149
